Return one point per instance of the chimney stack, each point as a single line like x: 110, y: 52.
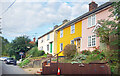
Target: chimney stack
x: 34, y: 39
x: 55, y: 26
x: 65, y: 21
x: 92, y: 6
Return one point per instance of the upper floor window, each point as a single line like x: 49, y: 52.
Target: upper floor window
x: 41, y: 40
x: 91, y: 41
x: 72, y: 29
x: 61, y: 46
x: 91, y: 21
x: 48, y: 36
x: 61, y: 33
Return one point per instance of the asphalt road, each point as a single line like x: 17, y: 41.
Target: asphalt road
x: 10, y: 69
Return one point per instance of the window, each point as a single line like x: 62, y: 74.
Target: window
x: 91, y: 20
x: 61, y: 46
x: 48, y: 36
x: 61, y: 33
x: 41, y: 48
x: 72, y: 41
x: 72, y: 29
x: 48, y: 47
x: 41, y: 40
x: 91, y: 40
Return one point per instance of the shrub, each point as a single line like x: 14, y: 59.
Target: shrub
x: 69, y: 50
x: 80, y: 57
x: 42, y: 52
x: 86, y: 52
x: 96, y: 51
x: 25, y: 62
x: 35, y: 52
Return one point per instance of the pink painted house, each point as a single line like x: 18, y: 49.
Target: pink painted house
x: 89, y: 23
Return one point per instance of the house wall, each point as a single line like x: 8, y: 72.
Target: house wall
x: 55, y: 37
x: 67, y: 36
x: 46, y: 42
x: 102, y: 14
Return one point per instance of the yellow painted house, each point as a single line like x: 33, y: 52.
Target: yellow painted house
x: 70, y: 33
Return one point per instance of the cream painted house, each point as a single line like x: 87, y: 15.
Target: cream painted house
x: 46, y: 42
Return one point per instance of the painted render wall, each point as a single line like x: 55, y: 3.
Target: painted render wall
x: 67, y: 36
x: 46, y: 42
x: 103, y: 14
x: 55, y: 37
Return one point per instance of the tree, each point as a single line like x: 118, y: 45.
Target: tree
x: 20, y: 44
x: 4, y: 45
x: 109, y: 31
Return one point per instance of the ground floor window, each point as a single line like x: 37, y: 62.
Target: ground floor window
x: 48, y: 47
x: 91, y: 41
x: 72, y: 41
x: 41, y: 48
x: 61, y: 46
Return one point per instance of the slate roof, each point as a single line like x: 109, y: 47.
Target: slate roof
x: 86, y: 14
x: 45, y: 34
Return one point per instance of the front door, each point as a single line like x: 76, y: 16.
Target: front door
x: 51, y: 47
x: 78, y: 45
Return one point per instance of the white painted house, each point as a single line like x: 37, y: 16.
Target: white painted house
x: 46, y: 42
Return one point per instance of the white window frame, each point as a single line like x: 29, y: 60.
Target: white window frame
x: 92, y: 41
x: 61, y: 45
x: 42, y: 40
x: 48, y: 37
x: 71, y: 42
x: 48, y: 47
x: 90, y: 20
x: 72, y: 28
x: 61, y: 33
x: 41, y: 48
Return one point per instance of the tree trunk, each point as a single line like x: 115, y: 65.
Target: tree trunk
x: 108, y: 47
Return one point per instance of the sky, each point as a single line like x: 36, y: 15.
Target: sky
x: 37, y: 17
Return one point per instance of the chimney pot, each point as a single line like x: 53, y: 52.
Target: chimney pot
x: 34, y: 39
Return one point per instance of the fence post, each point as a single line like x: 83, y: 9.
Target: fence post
x: 50, y: 60
x: 57, y: 58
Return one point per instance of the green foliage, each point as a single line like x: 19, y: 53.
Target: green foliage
x: 96, y: 51
x: 69, y: 50
x: 109, y: 33
x: 20, y: 44
x: 96, y: 55
x: 4, y: 45
x: 35, y: 52
x: 25, y: 62
x: 86, y: 52
x: 112, y: 58
x: 79, y: 57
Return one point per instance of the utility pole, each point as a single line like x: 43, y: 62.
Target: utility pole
x: 0, y: 26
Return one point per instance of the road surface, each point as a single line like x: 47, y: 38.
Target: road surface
x: 10, y: 69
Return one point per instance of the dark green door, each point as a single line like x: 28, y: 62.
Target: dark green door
x: 50, y: 47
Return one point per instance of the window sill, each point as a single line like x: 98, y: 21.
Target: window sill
x: 90, y: 27
x: 91, y: 46
x: 72, y: 33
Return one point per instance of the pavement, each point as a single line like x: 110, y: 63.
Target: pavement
x: 31, y: 70
x: 10, y: 69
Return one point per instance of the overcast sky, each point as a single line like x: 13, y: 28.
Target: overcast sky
x: 36, y: 17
